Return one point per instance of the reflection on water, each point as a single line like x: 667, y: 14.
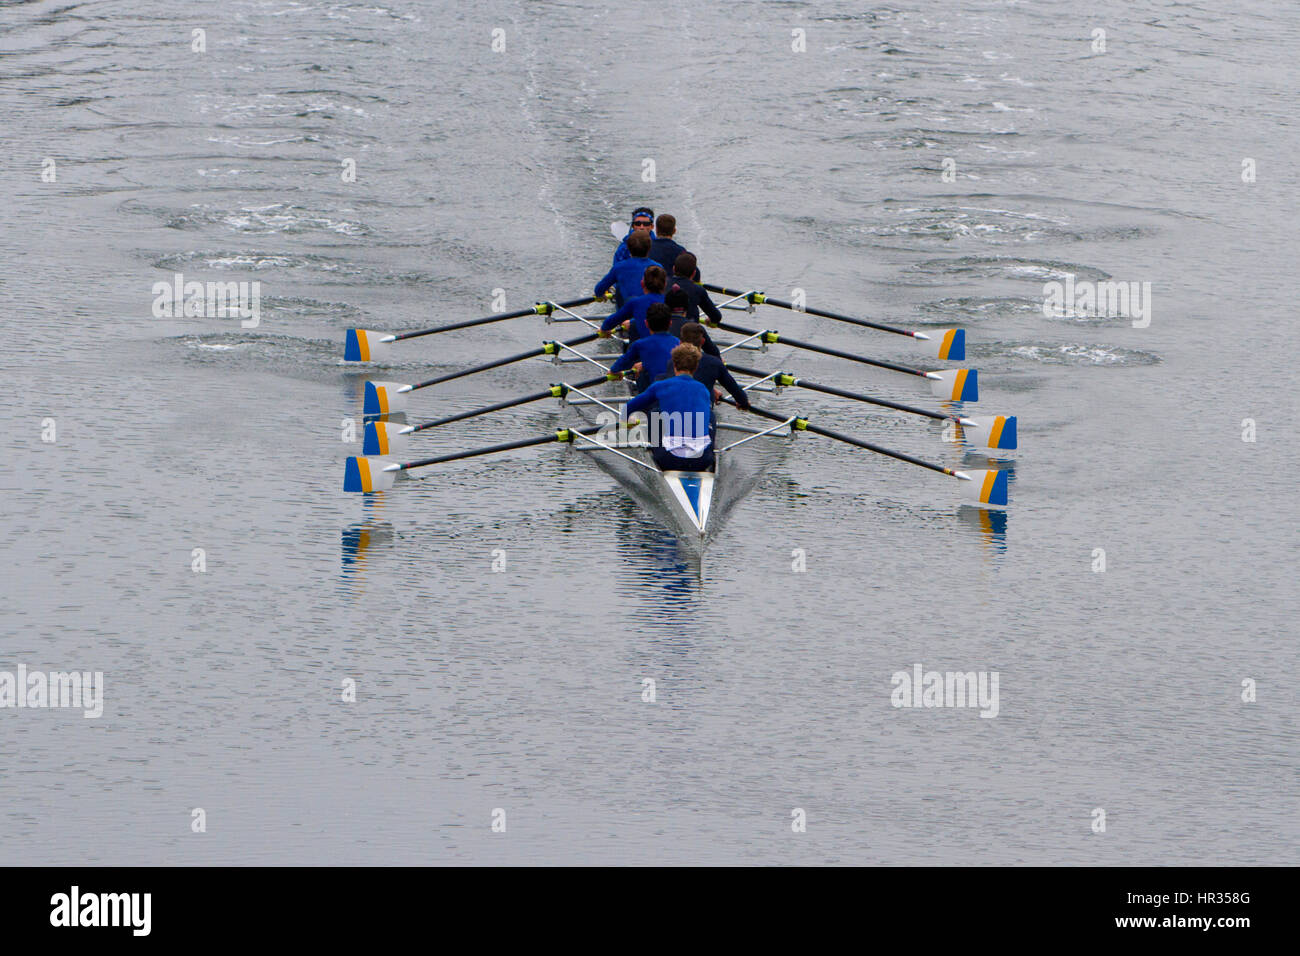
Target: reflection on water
x: 359, y: 538
x: 989, y: 523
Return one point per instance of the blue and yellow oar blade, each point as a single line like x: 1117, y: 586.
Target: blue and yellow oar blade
x: 955, y: 384
x: 362, y: 345
x: 385, y: 438
x: 369, y: 474
x: 985, y: 486
x: 384, y: 398
x: 946, y: 344
x: 994, y: 431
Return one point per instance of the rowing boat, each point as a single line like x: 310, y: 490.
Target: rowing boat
x: 593, y: 419
x: 686, y: 497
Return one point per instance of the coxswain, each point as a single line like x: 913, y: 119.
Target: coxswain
x: 649, y: 356
x: 643, y: 220
x: 712, y: 371
x: 625, y: 277
x: 664, y: 249
x: 685, y: 408
x: 632, y: 316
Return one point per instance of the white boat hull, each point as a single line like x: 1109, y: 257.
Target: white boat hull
x: 684, y: 498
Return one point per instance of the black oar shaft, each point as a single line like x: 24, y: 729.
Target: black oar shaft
x: 857, y: 442
x: 500, y: 406
x: 488, y: 319
x: 508, y: 360
x: 809, y: 347
x: 768, y: 300
x: 493, y: 449
x: 855, y: 396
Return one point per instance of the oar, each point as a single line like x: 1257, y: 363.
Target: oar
x: 619, y: 230
x: 953, y: 384
x: 949, y: 344
x: 996, y: 431
x: 384, y: 398
x: 378, y: 474
x: 391, y: 438
x: 986, y: 486
x: 363, y: 345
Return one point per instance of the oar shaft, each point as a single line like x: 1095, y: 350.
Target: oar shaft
x: 850, y: 440
x: 488, y: 319
x: 768, y: 300
x: 501, y: 406
x: 842, y: 393
x: 508, y: 360
x: 493, y: 449
x: 809, y: 347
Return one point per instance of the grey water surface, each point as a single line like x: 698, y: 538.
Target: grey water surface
x: 1161, y: 151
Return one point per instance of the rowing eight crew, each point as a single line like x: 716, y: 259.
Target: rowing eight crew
x: 677, y: 366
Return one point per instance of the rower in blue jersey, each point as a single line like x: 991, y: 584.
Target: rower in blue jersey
x: 711, y: 371
x: 649, y: 357
x: 683, y: 415
x: 625, y: 277
x: 632, y: 315
x: 642, y: 221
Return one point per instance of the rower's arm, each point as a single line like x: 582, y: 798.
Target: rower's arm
x: 709, y: 348
x: 707, y: 306
x: 731, y: 385
x: 618, y: 318
x: 604, y: 284
x: 643, y: 400
x: 629, y: 358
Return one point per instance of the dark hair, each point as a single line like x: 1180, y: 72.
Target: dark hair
x: 686, y: 358
x: 676, y: 298
x: 655, y: 279
x: 638, y: 244
x: 658, y: 318
x: 665, y: 226
x: 685, y: 265
x: 693, y: 333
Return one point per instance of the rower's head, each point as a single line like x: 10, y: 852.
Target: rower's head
x: 654, y: 279
x: 658, y: 318
x: 684, y: 265
x: 638, y: 244
x: 643, y: 219
x: 676, y: 299
x: 692, y: 333
x: 666, y: 226
x: 686, y: 359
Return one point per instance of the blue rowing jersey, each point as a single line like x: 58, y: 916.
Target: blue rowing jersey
x: 654, y: 352
x: 621, y: 252
x: 634, y: 309
x: 625, y: 277
x: 685, y: 407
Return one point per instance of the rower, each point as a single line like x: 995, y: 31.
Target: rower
x: 625, y: 276
x: 664, y: 249
x: 685, y: 409
x: 711, y: 369
x: 632, y: 316
x: 698, y: 300
x: 649, y: 356
x: 642, y: 221
x: 677, y: 300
